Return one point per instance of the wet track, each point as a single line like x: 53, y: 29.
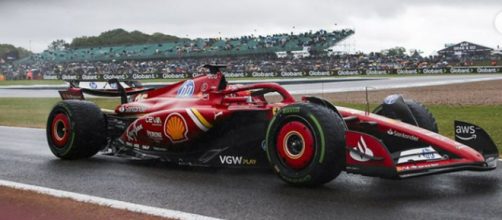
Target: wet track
x: 250, y: 194
x: 302, y: 87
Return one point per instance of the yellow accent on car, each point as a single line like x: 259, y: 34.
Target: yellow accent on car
x: 201, y: 118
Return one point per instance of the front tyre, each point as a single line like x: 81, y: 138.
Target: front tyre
x: 424, y: 117
x: 76, y: 129
x: 306, y: 144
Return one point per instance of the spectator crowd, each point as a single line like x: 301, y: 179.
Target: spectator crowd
x: 199, y: 47
x: 258, y: 63
x: 262, y: 55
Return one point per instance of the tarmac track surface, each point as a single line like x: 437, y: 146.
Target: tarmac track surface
x: 249, y: 193
x: 388, y: 83
x: 314, y: 86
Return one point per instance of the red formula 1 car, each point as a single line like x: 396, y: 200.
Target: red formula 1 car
x: 205, y: 122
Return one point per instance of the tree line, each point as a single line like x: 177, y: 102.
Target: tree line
x: 111, y: 38
x: 9, y: 52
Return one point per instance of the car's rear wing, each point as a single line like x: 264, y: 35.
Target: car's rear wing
x: 110, y: 88
x: 103, y: 84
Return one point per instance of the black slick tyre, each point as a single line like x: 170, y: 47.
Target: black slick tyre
x: 424, y: 117
x: 306, y: 144
x: 76, y: 129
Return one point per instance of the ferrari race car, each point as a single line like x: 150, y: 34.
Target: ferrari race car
x: 204, y: 121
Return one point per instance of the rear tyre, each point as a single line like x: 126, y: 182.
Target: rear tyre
x: 76, y: 129
x: 306, y: 144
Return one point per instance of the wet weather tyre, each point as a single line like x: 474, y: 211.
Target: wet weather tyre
x: 76, y: 129
x: 424, y: 117
x: 305, y: 144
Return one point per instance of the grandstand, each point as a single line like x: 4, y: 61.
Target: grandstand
x: 197, y: 48
x: 246, y: 56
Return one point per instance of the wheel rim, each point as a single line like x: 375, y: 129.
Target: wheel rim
x: 60, y: 130
x: 295, y: 145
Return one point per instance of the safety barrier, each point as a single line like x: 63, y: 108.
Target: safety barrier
x: 287, y: 74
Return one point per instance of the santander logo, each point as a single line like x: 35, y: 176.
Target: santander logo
x: 363, y: 148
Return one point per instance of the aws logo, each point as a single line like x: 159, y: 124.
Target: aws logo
x: 468, y: 132
x: 175, y: 128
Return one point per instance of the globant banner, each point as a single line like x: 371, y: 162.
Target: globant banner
x: 287, y: 74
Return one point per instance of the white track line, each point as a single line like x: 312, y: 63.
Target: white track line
x: 166, y: 213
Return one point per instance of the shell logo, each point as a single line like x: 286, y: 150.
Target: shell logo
x: 175, y: 128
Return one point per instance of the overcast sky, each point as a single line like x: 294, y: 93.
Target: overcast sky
x: 379, y: 24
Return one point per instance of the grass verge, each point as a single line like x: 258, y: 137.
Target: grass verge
x: 28, y: 112
x: 33, y: 113
x: 30, y: 82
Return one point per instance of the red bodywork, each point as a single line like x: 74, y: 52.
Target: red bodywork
x: 464, y: 155
x: 180, y: 113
